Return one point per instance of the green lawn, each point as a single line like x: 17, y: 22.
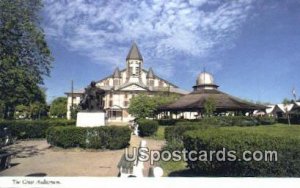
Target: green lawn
x: 172, y: 168
x: 160, y: 134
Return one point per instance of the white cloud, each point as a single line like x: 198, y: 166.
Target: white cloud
x: 103, y: 30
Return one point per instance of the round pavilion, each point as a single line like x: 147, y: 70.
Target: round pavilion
x: 205, y: 90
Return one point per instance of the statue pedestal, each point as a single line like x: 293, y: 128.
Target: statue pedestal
x: 90, y: 119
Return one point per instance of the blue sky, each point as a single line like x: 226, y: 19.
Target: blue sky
x: 251, y: 47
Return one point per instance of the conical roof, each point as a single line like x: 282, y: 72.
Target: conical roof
x: 195, y: 101
x: 117, y: 73
x: 134, y: 53
x: 150, y: 73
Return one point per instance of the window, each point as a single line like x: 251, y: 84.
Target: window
x: 110, y: 103
x: 116, y: 82
x: 151, y: 82
x: 137, y: 71
x: 111, y: 95
x: 125, y: 103
x: 161, y: 83
x: 107, y: 82
x: 126, y: 96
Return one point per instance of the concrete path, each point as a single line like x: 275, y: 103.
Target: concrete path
x: 37, y: 158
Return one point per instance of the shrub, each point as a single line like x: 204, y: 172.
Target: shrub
x: 293, y: 120
x: 112, y: 137
x: 265, y: 120
x: 23, y: 129
x: 167, y: 122
x: 176, y: 133
x: 147, y: 127
x: 66, y: 136
x: 223, y: 121
x: 240, y: 140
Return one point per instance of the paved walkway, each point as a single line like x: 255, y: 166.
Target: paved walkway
x: 37, y: 158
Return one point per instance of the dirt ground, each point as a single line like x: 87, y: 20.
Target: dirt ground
x: 37, y: 158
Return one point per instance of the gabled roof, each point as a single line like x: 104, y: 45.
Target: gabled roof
x: 157, y: 77
x: 132, y: 83
x: 82, y: 90
x: 284, y: 108
x: 270, y: 108
x: 110, y: 76
x: 134, y: 53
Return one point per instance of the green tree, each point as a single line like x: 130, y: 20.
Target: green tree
x: 24, y: 55
x: 74, y: 110
x: 37, y: 110
x: 58, y: 107
x: 143, y: 106
x: 22, y: 111
x: 209, y: 106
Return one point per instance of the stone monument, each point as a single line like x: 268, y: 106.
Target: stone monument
x: 91, y: 113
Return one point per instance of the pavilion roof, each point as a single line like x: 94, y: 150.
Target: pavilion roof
x: 223, y: 101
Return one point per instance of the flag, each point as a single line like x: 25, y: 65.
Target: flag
x: 294, y: 94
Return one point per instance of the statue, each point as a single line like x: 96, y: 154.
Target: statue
x: 93, y: 98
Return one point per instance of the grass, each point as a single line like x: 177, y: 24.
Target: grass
x: 174, y: 168
x: 160, y: 133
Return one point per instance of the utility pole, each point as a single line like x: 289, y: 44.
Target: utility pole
x: 72, y: 91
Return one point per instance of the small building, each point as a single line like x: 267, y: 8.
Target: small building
x: 122, y: 85
x: 280, y: 110
x: 192, y: 105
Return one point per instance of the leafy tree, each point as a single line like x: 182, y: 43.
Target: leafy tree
x: 209, y: 106
x: 143, y: 106
x: 1, y: 109
x: 22, y: 111
x: 58, y: 107
x: 24, y: 55
x: 38, y: 110
x: 74, y: 110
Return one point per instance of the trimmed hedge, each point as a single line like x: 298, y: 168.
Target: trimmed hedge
x: 23, y: 129
x: 222, y: 121
x: 176, y: 132
x: 293, y: 120
x: 111, y: 137
x: 147, y: 127
x: 245, y: 139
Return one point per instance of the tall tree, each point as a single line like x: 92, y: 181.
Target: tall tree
x: 143, y: 106
x: 209, y: 106
x: 24, y: 55
x: 58, y: 107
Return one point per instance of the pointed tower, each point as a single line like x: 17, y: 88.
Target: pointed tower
x: 117, y: 73
x: 134, y: 61
x: 117, y: 77
x: 150, y: 77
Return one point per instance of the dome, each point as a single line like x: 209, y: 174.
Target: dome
x: 205, y: 79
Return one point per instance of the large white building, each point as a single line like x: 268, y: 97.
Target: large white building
x: 123, y: 84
